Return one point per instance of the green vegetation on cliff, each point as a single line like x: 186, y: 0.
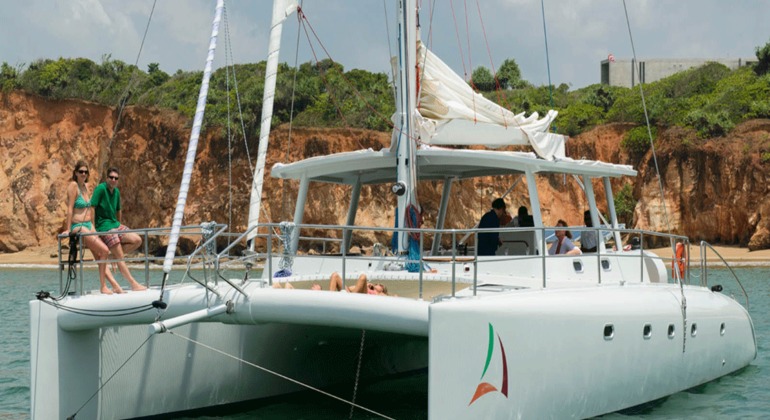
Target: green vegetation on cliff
x: 710, y: 99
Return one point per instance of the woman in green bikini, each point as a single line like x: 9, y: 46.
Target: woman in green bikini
x: 79, y: 221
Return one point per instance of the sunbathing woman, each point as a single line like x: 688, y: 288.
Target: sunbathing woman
x: 362, y: 285
x: 335, y: 285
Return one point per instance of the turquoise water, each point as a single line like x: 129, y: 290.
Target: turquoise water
x: 745, y: 394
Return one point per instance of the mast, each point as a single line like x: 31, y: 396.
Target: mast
x: 281, y: 10
x: 192, y: 147
x: 404, y: 133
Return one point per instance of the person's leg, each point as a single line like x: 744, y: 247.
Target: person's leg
x: 335, y: 283
x: 360, y: 286
x: 110, y: 278
x: 117, y: 252
x: 100, y: 252
x: 130, y: 242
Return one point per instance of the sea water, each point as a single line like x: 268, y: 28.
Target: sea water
x: 745, y: 394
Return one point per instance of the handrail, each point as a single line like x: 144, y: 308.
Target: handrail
x: 704, y: 268
x: 601, y: 232
x: 145, y: 259
x: 424, y: 235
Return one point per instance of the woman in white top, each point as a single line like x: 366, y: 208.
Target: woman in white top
x: 563, y: 245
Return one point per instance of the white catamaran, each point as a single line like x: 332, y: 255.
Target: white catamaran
x: 519, y: 334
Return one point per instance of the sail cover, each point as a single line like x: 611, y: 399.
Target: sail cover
x: 451, y: 113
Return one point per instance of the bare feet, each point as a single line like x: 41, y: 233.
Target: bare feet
x: 117, y: 289
x: 106, y: 291
x: 136, y: 287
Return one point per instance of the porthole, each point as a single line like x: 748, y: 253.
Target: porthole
x: 671, y: 330
x: 577, y: 265
x: 694, y: 329
x: 609, y: 331
x: 722, y: 329
x: 647, y: 331
x: 606, y: 265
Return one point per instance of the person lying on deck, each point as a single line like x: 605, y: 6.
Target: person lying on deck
x: 335, y: 285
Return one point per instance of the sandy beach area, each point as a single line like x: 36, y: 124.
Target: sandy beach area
x: 733, y: 254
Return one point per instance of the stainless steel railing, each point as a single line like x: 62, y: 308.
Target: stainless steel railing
x: 333, y: 238
x: 704, y: 247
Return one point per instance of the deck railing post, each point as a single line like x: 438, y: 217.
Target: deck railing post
x: 61, y: 270
x: 641, y: 257
x: 475, y: 263
x: 344, y: 254
x: 270, y: 256
x: 703, y: 269
x: 454, y: 260
x: 82, y: 253
x: 420, y: 281
x: 543, y: 254
x: 599, y: 239
x: 146, y: 260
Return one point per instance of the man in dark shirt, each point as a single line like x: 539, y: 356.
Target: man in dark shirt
x: 488, y: 242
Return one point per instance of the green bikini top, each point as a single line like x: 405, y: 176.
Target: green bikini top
x: 81, y: 203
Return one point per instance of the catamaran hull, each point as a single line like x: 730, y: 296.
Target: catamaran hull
x: 168, y: 373
x: 580, y: 353
x: 529, y: 353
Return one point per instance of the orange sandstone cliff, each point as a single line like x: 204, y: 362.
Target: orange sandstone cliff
x: 714, y: 190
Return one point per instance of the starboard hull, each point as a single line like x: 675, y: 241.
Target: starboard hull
x: 580, y: 353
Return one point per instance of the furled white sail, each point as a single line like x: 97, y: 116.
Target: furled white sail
x: 192, y: 147
x: 451, y: 113
x: 281, y: 10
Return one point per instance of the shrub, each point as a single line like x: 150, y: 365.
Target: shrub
x: 709, y: 124
x: 8, y: 77
x: 637, y: 140
x: 577, y: 118
x: 765, y: 157
x: 625, y: 205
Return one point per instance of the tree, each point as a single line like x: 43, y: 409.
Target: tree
x: 8, y: 77
x: 157, y: 76
x: 509, y: 75
x: 763, y: 59
x: 482, y: 79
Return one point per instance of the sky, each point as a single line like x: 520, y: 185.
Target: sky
x: 580, y: 33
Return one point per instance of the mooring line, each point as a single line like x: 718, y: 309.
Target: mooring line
x: 264, y: 369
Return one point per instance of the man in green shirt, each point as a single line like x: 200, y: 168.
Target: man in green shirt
x: 107, y: 211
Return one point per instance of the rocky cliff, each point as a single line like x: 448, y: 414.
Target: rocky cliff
x: 715, y: 190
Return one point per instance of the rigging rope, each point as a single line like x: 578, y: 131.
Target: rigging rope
x: 229, y: 50
x: 284, y: 195
x: 126, y: 93
x: 266, y: 370
x: 72, y: 417
x: 358, y: 372
x: 229, y: 122
x: 660, y: 186
x: 547, y: 56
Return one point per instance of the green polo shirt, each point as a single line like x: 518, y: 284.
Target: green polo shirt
x: 106, y: 205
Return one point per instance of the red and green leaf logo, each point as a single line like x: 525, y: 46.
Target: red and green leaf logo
x: 485, y: 387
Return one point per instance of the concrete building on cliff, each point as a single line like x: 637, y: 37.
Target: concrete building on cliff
x: 627, y: 73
